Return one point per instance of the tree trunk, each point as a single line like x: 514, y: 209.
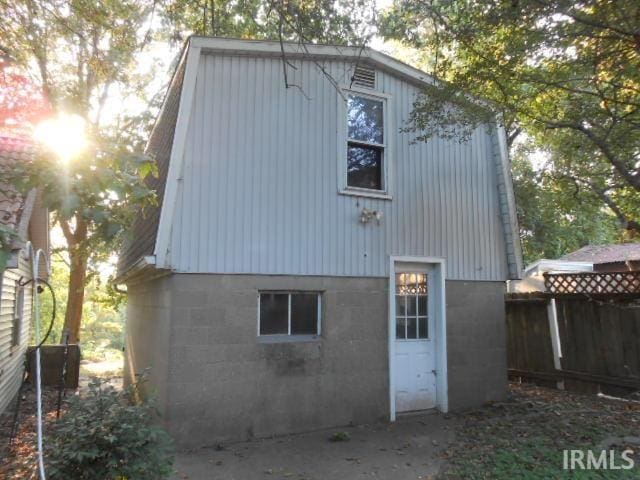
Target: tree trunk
x: 75, y: 300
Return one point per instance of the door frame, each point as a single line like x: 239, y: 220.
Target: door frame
x: 436, y: 288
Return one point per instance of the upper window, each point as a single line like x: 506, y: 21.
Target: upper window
x: 365, y: 142
x: 289, y: 313
x: 18, y: 313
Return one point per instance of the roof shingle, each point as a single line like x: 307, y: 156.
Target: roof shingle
x: 13, y: 150
x: 605, y: 253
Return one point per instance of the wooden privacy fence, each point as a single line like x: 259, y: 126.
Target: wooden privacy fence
x: 585, y: 342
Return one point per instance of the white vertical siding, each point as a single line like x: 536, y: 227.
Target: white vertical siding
x: 258, y: 192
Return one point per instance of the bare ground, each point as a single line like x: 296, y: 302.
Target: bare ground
x: 407, y: 449
x: 522, y: 437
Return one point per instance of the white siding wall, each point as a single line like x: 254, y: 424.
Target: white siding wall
x: 258, y: 192
x: 12, y: 358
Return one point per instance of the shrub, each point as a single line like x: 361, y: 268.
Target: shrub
x: 109, y: 435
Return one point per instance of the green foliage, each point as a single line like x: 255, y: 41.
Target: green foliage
x: 85, y: 58
x: 98, y: 189
x: 555, y: 217
x: 103, y: 314
x: 330, y: 21
x: 566, y: 73
x: 109, y: 435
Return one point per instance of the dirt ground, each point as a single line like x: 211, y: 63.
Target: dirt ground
x: 523, y: 437
x: 408, y: 449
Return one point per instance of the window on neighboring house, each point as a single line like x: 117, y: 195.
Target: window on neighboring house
x: 18, y: 313
x: 290, y: 313
x: 365, y: 142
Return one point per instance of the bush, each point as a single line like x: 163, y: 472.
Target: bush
x: 109, y: 435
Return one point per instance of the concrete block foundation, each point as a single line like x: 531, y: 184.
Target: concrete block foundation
x: 217, y: 381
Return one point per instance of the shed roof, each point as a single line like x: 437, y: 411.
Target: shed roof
x: 621, y: 252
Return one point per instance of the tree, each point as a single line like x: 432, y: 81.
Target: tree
x: 554, y: 216
x: 84, y: 51
x: 565, y: 72
x: 22, y: 104
x: 305, y: 21
x: 79, y: 52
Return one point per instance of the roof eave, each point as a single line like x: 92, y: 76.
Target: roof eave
x: 142, y: 266
x: 269, y: 48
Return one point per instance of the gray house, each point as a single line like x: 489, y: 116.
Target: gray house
x: 308, y: 264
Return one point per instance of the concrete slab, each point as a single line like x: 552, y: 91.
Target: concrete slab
x: 407, y: 449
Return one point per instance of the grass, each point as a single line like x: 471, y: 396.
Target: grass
x: 525, y: 437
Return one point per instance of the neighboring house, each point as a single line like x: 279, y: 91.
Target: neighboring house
x: 26, y: 216
x: 533, y: 276
x: 309, y: 265
x: 622, y: 257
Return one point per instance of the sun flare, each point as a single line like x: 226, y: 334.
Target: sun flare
x: 65, y: 134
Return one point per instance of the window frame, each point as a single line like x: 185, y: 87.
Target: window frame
x: 18, y: 316
x: 289, y: 337
x: 343, y: 141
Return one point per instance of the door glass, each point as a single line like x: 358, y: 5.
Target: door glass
x: 411, y: 306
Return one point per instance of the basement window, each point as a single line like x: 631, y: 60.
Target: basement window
x: 290, y: 314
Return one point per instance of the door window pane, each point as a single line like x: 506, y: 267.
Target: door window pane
x: 304, y: 313
x: 401, y: 309
x: 423, y: 327
x: 400, y: 328
x: 364, y: 167
x: 274, y: 313
x: 412, y: 331
x: 422, y: 305
x: 411, y: 305
x: 364, y: 119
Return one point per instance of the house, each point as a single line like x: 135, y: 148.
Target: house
x: 621, y: 257
x: 612, y: 258
x: 308, y: 264
x: 533, y: 275
x: 27, y: 219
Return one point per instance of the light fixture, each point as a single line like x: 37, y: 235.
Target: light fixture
x: 367, y: 215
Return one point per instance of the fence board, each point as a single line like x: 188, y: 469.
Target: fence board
x: 599, y: 339
x: 528, y: 338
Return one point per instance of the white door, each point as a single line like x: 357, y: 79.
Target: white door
x: 415, y: 352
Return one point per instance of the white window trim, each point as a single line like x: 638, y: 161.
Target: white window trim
x: 288, y: 337
x: 342, y: 139
x: 18, y: 316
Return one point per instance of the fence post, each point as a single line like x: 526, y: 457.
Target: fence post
x: 554, y: 331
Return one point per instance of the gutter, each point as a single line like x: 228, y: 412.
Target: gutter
x: 142, y: 265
